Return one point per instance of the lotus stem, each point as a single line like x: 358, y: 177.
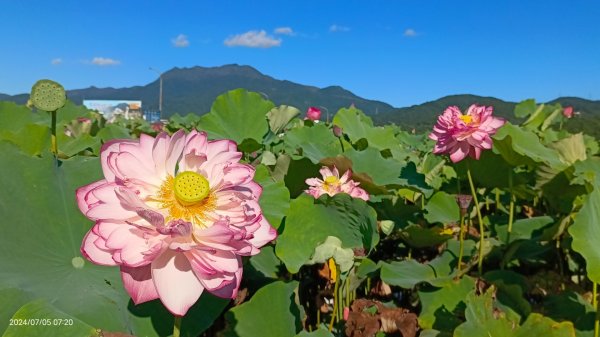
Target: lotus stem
x: 335, y: 304
x: 461, y: 240
x: 480, y: 219
x: 511, y: 213
x: 177, y: 326
x: 53, y: 128
x: 318, y: 316
x: 595, y: 304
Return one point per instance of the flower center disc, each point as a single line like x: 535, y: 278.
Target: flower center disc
x: 190, y: 188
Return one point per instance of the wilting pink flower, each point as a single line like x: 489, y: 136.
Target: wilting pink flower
x: 461, y: 135
x: 175, y: 213
x: 568, y: 111
x: 158, y: 126
x: 313, y: 113
x: 332, y: 184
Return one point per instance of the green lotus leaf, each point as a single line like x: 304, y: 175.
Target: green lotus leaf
x: 279, y: 117
x: 314, y: 142
x: 442, y: 208
x: 310, y: 222
x: 275, y: 198
x: 441, y: 306
x: 237, y: 115
x: 271, y: 312
x: 484, y: 318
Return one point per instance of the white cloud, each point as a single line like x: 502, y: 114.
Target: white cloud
x: 285, y: 31
x: 338, y: 28
x: 105, y: 61
x: 181, y: 41
x: 56, y: 61
x: 252, y: 39
x: 410, y: 32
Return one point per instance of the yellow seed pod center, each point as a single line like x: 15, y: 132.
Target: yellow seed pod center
x: 466, y: 118
x: 190, y: 188
x: 331, y: 180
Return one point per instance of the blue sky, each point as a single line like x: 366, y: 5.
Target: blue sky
x: 400, y: 52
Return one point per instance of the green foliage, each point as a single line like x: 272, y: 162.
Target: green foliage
x: 537, y: 188
x: 47, y: 321
x: 275, y: 302
x: 310, y: 222
x: 442, y: 208
x: 483, y: 319
x: 237, y: 115
x: 441, y: 306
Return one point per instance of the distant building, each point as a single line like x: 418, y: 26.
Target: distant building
x: 152, y: 116
x: 110, y: 109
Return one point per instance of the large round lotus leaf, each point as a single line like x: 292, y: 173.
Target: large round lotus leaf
x: 48, y: 321
x: 310, y: 222
x: 357, y: 125
x: 483, y: 318
x: 275, y: 198
x: 48, y: 95
x: 523, y: 147
x: 42, y: 230
x: 584, y: 229
x: 408, y: 273
x: 237, y: 115
x: 440, y: 305
x: 442, y: 208
x: 271, y: 312
x: 313, y: 142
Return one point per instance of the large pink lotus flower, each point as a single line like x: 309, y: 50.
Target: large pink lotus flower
x: 175, y: 213
x: 313, y: 113
x: 465, y: 135
x: 332, y: 184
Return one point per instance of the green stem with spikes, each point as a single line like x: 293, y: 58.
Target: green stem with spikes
x: 479, y: 219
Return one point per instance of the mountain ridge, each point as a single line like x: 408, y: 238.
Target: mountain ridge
x: 193, y: 89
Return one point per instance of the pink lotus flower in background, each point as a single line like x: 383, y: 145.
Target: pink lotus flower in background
x: 175, y: 213
x: 332, y: 184
x: 465, y: 135
x: 313, y: 113
x: 568, y: 112
x: 158, y: 126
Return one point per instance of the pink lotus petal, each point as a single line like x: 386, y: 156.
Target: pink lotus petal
x: 138, y: 283
x: 175, y: 282
x: 107, y: 148
x: 92, y: 252
x: 85, y: 199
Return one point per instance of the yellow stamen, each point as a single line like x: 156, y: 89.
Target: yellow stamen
x: 466, y: 118
x: 331, y: 180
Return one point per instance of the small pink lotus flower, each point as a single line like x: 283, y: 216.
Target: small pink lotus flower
x: 313, y: 113
x: 332, y: 184
x: 176, y: 213
x: 465, y: 135
x: 568, y: 112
